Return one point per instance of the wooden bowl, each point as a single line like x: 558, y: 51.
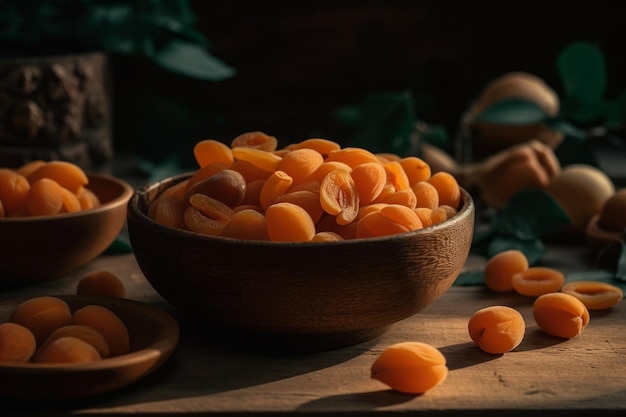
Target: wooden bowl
x: 154, y: 335
x: 314, y: 294
x: 47, y: 247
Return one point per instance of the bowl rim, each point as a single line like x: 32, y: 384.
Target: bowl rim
x: 467, y: 209
x: 120, y: 200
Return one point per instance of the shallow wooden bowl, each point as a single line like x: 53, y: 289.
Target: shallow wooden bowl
x: 47, y: 247
x: 154, y: 335
x: 315, y: 294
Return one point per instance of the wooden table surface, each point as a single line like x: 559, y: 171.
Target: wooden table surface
x: 580, y: 376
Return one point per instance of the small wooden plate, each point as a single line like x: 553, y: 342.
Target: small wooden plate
x: 153, y: 334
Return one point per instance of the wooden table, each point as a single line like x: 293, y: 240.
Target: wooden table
x: 581, y: 376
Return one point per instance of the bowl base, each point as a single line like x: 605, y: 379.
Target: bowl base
x: 277, y: 343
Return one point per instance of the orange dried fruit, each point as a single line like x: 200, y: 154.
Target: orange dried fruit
x: 66, y: 174
x: 209, y: 151
x: 246, y: 224
x: 410, y: 367
x: 447, y: 187
x: 257, y: 140
x: 339, y: 196
x: 266, y: 161
x: 107, y: 323
x: 537, y: 280
x: 560, y: 314
x: 101, y: 283
x: 300, y: 164
x: 497, y: 329
x: 595, y: 295
x: 13, y: 190
x: 276, y: 185
x: 501, y: 267
x: 287, y: 222
x: 68, y: 350
x: 17, y: 343
x: 45, y: 197
x: 369, y: 179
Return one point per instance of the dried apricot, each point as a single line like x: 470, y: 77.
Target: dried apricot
x: 227, y: 186
x: 208, y: 151
x: 323, y: 146
x: 17, y: 343
x: 426, y: 195
x: 42, y: 315
x: 13, y: 190
x: 45, y: 197
x: 447, y: 187
x: 300, y: 164
x: 66, y: 174
x: 339, y: 196
x: 410, y: 367
x: 287, y: 222
x: 537, y: 280
x: 101, y: 283
x: 560, y: 314
x: 257, y: 140
x: 246, y: 224
x: 501, y: 267
x: 416, y: 169
x: 497, y: 329
x: 595, y: 295
x: 85, y: 333
x: 107, y: 323
x: 276, y: 185
x: 369, y: 179
x: 68, y: 350
x: 266, y: 161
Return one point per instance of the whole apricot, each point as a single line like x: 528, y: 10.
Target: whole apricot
x: 410, y: 367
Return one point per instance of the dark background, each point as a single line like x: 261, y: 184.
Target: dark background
x: 298, y: 61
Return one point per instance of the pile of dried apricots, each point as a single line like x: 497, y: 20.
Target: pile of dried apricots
x: 44, y: 330
x: 313, y: 190
x: 41, y: 188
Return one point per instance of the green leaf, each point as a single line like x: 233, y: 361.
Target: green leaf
x: 567, y: 129
x: 539, y: 210
x: 192, y: 60
x: 120, y: 245
x: 514, y: 111
x: 470, y: 278
x: 387, y: 121
x: 583, y: 71
x: 533, y: 249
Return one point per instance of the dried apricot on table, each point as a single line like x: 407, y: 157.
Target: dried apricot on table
x: 560, y: 314
x: 101, y: 283
x: 410, y: 367
x: 501, y: 267
x: 497, y: 329
x: 537, y: 280
x: 17, y: 343
x: 595, y: 295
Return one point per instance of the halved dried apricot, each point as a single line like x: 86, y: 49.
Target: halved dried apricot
x: 339, y: 196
